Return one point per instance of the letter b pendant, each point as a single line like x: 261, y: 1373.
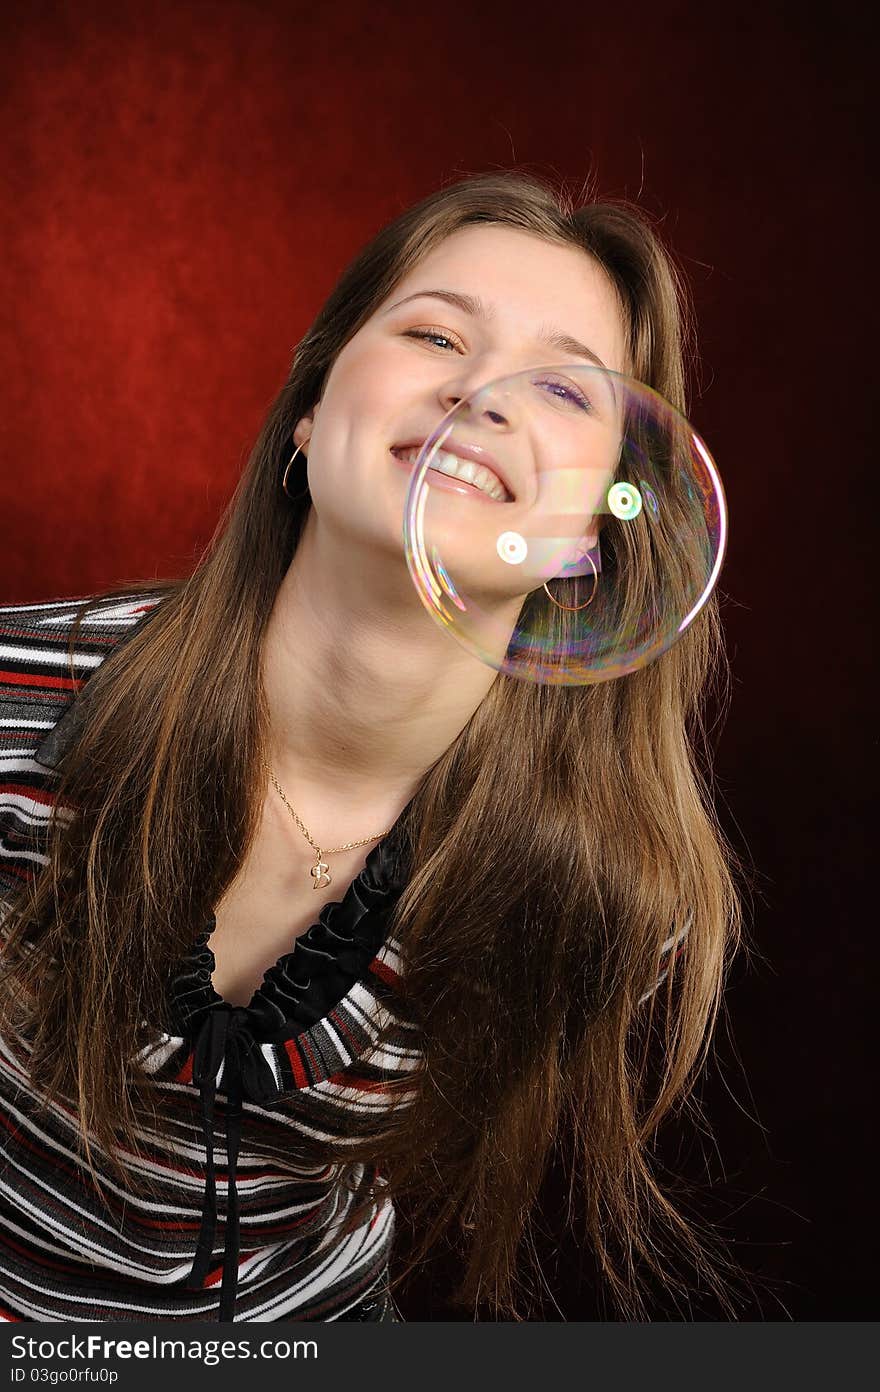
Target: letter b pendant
x: 320, y: 872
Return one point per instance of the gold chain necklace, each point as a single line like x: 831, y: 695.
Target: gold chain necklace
x: 320, y: 871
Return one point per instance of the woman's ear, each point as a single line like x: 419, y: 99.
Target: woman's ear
x: 305, y: 425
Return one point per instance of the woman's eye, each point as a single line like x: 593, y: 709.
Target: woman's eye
x: 561, y: 389
x: 566, y: 392
x: 430, y: 334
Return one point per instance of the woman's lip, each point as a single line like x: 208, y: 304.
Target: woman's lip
x: 446, y: 483
x: 475, y: 453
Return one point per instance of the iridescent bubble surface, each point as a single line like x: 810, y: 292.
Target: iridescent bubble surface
x: 564, y: 524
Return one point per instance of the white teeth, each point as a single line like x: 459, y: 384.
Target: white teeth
x: 466, y: 469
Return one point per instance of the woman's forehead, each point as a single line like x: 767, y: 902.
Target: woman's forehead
x: 516, y: 281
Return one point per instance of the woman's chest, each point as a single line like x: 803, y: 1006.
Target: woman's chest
x: 271, y: 903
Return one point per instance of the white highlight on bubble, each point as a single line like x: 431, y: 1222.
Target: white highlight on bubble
x: 625, y: 501
x: 511, y: 547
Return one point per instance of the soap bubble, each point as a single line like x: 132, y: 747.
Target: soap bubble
x: 591, y: 543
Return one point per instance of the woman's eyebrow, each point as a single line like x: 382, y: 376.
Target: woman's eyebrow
x: 472, y: 304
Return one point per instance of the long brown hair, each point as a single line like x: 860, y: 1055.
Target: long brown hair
x: 526, y: 985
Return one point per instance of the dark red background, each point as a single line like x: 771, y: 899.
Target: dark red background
x: 181, y: 187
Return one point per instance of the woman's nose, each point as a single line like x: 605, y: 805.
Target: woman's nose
x: 488, y: 405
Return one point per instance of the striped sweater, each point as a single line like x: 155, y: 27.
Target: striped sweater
x: 238, y: 1083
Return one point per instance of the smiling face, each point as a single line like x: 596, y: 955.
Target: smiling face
x: 509, y: 301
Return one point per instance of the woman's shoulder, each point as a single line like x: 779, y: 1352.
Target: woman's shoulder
x: 38, y: 629
x: 46, y: 659
x: 48, y: 651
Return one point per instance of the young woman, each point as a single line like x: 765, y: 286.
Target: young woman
x: 306, y: 909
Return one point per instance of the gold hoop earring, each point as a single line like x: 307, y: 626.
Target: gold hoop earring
x: 294, y: 497
x: 573, y: 608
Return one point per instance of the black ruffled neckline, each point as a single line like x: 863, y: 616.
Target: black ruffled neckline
x: 326, y: 961
x: 282, y: 1041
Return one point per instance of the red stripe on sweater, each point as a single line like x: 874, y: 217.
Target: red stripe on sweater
x: 384, y: 972
x: 214, y: 1278
x: 296, y: 1063
x: 32, y: 794
x: 37, y: 682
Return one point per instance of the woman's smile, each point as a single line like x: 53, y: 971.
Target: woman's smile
x: 455, y: 475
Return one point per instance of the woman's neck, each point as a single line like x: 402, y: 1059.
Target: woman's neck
x: 364, y: 691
